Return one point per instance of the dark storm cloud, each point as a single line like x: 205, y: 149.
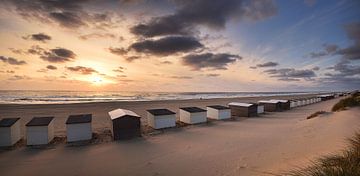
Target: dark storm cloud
x: 212, y: 14
x: 209, y: 60
x: 51, y: 67
x: 67, y: 19
x: 351, y: 53
x: 328, y: 49
x: 167, y: 45
x: 268, y: 64
x: 291, y: 74
x: 58, y: 55
x: 66, y: 13
x: 118, y: 51
x: 344, y: 73
x: 12, y: 61
x: 38, y: 37
x: 82, y: 70
x: 353, y: 33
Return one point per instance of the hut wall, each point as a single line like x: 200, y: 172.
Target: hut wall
x: 126, y: 128
x: 218, y: 113
x: 78, y: 132
x: 163, y: 121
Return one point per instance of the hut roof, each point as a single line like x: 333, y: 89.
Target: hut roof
x: 8, y: 122
x: 282, y: 101
x: 268, y: 101
x: 159, y: 112
x: 40, y: 121
x: 193, y: 109
x: 240, y: 104
x: 218, y: 107
x: 117, y: 113
x: 80, y: 118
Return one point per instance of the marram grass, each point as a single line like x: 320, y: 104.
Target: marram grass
x: 346, y: 163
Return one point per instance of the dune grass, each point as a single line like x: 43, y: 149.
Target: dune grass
x: 352, y: 101
x: 315, y: 114
x: 346, y: 163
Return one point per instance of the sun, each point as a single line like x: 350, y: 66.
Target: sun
x: 97, y: 80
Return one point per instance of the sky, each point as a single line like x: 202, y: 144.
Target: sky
x: 180, y: 45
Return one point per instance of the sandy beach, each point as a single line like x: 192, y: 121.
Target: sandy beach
x: 267, y: 145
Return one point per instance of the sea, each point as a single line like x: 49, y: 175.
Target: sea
x: 63, y: 97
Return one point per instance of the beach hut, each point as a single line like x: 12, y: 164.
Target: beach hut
x: 161, y: 118
x: 270, y: 105
x: 40, y: 130
x: 293, y: 103
x: 78, y: 127
x: 125, y: 124
x: 192, y: 115
x: 299, y: 103
x: 260, y: 109
x: 9, y: 131
x: 243, y: 109
x: 218, y: 112
x: 284, y: 104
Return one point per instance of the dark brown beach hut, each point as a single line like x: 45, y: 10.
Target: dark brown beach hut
x: 284, y: 104
x: 243, y: 109
x: 125, y: 124
x: 271, y: 105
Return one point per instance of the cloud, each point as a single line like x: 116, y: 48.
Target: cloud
x: 291, y: 74
x: 118, y: 51
x: 328, y: 49
x: 66, y: 13
x: 343, y: 73
x: 97, y: 35
x: 212, y: 75
x: 67, y: 19
x: 268, y: 64
x: 316, y: 68
x: 58, y: 55
x: 38, y: 37
x: 351, y: 53
x: 119, y: 69
x: 19, y: 77
x: 209, y: 61
x: 167, y: 45
x: 200, y: 12
x: 166, y: 62
x: 181, y: 77
x: 12, y: 61
x: 51, y: 67
x: 82, y: 70
x: 132, y: 58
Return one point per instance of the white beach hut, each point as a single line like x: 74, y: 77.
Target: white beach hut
x: 299, y: 103
x: 192, y: 115
x: 304, y: 102
x: 218, y: 112
x: 308, y: 101
x: 78, y: 127
x: 260, y: 109
x: 40, y: 130
x: 161, y: 118
x: 293, y: 104
x: 9, y: 131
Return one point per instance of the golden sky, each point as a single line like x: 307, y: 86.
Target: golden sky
x: 119, y: 46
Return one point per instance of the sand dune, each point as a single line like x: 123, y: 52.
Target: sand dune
x: 266, y: 145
